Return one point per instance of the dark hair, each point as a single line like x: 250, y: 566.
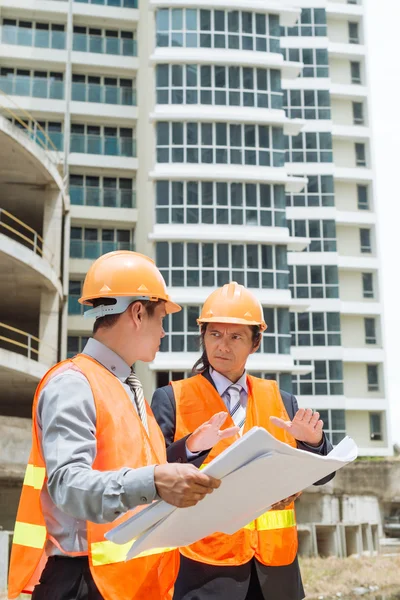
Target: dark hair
x: 110, y: 320
x: 203, y: 363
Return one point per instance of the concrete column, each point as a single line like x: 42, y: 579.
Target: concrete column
x: 146, y: 144
x: 4, y: 541
x: 48, y: 327
x: 52, y: 228
x: 145, y: 132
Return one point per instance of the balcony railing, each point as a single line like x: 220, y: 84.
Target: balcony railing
x: 104, y: 94
x: 21, y: 232
x: 104, y: 45
x: 21, y: 36
x: 105, y: 145
x: 19, y: 341
x: 94, y: 249
x: 95, y: 196
x: 120, y: 3
x: 31, y: 128
x: 36, y: 87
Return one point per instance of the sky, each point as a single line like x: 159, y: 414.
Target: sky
x: 383, y: 71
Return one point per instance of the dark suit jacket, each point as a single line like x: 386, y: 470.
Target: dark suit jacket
x: 197, y: 581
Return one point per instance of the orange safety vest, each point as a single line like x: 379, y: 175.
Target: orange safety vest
x: 272, y: 538
x: 122, y: 441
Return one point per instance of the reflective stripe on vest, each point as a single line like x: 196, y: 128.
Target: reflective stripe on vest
x: 35, y: 476
x: 107, y: 553
x: 32, y: 536
x: 274, y: 519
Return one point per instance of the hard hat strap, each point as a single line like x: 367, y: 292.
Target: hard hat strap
x: 120, y: 306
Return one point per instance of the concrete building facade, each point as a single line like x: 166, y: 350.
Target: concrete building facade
x: 228, y: 140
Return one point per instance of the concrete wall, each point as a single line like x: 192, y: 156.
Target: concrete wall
x: 370, y: 478
x: 353, y: 332
x: 351, y: 289
x: 358, y: 427
x: 342, y: 111
x: 346, y: 196
x: 356, y: 384
x: 15, y: 440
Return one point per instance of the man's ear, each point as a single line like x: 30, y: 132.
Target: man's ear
x: 137, y: 312
x: 256, y: 345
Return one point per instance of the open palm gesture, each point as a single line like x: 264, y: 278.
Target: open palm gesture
x: 305, y: 427
x: 210, y: 433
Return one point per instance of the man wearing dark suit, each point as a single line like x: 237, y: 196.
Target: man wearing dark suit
x: 226, y: 349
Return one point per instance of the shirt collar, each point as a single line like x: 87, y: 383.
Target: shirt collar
x: 222, y: 383
x: 108, y: 358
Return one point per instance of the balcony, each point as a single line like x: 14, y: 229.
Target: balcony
x: 85, y: 249
x: 112, y: 3
x: 105, y: 197
x: 35, y: 87
x: 54, y: 38
x: 18, y: 230
x: 104, y: 145
x: 103, y: 94
x: 98, y: 44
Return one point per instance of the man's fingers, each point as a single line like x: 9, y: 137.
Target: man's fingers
x: 206, y: 481
x: 314, y: 419
x: 229, y: 432
x: 280, y: 423
x: 307, y: 415
x: 319, y: 426
x: 299, y: 415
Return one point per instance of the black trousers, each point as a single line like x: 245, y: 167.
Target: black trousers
x: 251, y: 581
x: 66, y: 578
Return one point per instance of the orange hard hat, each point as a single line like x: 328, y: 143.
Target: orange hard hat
x: 126, y: 276
x: 232, y: 303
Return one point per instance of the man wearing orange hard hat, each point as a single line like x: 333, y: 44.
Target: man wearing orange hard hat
x: 97, y: 451
x: 258, y: 562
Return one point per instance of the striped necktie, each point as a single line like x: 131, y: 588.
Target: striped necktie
x: 137, y: 389
x: 236, y: 409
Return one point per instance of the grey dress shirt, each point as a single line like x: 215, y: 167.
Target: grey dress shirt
x: 75, y: 492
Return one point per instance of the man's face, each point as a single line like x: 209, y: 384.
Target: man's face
x: 228, y: 347
x: 151, y: 333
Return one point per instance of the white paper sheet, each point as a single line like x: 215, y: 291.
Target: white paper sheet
x: 256, y: 471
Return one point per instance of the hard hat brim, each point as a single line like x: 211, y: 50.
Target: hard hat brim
x: 234, y: 320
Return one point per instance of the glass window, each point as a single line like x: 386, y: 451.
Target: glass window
x: 315, y: 329
x: 248, y: 144
x: 367, y: 285
x: 355, y: 71
x: 334, y: 424
x: 246, y: 264
x: 373, y: 378
x: 354, y: 36
x: 325, y: 380
x: 358, y: 113
x: 240, y: 30
x: 361, y: 160
x: 370, y: 330
x: 312, y: 23
x: 362, y: 197
x: 318, y: 192
x: 322, y: 234
x: 365, y: 241
x: 312, y: 147
x: 312, y: 281
x: 375, y: 426
x: 220, y: 203
x: 307, y: 104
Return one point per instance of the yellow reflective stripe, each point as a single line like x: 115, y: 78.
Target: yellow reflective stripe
x: 32, y: 536
x: 274, y: 519
x: 107, y: 553
x: 35, y: 476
